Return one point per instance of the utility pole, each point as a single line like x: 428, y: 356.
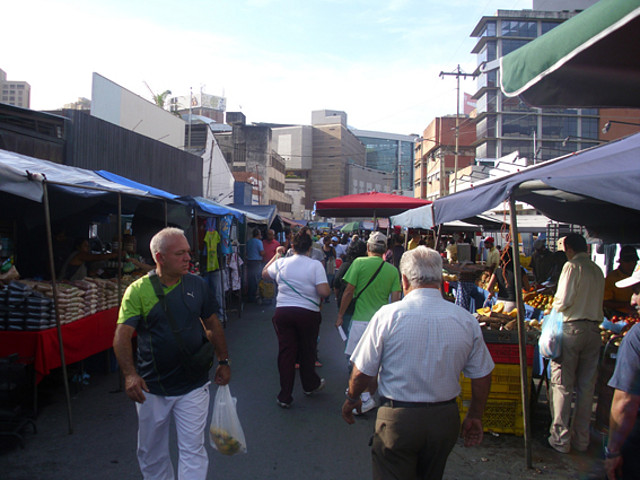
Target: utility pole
x: 457, y: 73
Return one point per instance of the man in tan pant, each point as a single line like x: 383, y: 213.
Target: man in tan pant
x: 579, y: 299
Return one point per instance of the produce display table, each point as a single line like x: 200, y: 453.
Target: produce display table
x: 82, y: 338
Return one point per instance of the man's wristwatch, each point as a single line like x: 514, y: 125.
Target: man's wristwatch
x: 226, y: 361
x: 351, y: 400
x: 609, y: 454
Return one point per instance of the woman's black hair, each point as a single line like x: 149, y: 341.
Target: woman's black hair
x: 302, y: 241
x: 355, y: 249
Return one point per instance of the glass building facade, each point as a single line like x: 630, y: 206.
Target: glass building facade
x: 504, y: 125
x: 390, y: 153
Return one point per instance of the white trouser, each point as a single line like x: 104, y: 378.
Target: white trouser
x: 355, y: 334
x: 154, y: 419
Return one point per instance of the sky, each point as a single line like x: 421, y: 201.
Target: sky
x: 274, y: 60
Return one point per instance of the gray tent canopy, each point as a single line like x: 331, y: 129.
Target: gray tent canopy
x: 596, y: 188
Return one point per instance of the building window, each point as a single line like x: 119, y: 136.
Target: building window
x: 515, y: 28
x: 589, y: 128
x: 509, y: 46
x: 489, y: 30
x: 548, y: 26
x: 488, y: 52
x: 559, y: 127
x: 518, y: 125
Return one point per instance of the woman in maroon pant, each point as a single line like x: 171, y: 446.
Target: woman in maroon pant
x: 302, y: 283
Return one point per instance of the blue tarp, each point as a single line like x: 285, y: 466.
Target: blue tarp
x: 131, y: 183
x: 214, y: 208
x: 596, y: 188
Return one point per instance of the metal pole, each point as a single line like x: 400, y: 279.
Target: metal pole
x: 119, y: 278
x: 52, y: 269
x: 455, y: 161
x: 166, y: 214
x: 524, y: 381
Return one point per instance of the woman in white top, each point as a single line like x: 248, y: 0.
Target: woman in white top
x: 302, y: 283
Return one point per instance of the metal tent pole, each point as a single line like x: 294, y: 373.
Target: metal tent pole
x: 524, y: 385
x: 63, y: 364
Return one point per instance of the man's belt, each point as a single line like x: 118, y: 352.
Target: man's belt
x: 388, y: 402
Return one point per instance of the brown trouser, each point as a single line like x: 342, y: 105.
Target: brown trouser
x: 414, y: 443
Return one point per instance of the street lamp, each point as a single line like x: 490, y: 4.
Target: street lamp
x: 607, y: 125
x: 582, y: 139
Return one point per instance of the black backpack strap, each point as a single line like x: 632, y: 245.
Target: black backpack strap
x: 157, y: 287
x: 370, y: 280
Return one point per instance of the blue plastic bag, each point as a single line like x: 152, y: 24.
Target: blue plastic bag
x: 550, y: 341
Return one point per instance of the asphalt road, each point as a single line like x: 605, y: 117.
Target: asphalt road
x: 310, y: 441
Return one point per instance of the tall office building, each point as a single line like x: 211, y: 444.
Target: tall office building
x: 14, y: 92
x: 391, y: 153
x: 505, y: 125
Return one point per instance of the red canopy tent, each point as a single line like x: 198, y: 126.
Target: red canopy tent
x: 369, y: 204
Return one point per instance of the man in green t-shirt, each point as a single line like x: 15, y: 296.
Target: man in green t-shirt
x: 157, y: 379
x: 370, y: 297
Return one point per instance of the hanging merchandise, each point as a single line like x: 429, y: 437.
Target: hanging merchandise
x: 225, y: 234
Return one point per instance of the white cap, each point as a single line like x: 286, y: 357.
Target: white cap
x: 632, y: 280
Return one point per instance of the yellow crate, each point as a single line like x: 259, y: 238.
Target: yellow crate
x: 505, y: 381
x: 501, y: 415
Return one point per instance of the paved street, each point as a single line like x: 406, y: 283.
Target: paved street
x: 310, y: 441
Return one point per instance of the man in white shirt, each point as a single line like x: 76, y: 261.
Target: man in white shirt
x: 579, y: 299
x: 417, y: 347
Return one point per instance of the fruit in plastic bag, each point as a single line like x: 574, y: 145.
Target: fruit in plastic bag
x: 226, y: 444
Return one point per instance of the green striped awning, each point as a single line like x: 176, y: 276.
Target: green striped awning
x: 591, y: 60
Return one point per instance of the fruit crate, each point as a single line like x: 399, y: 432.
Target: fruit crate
x: 501, y: 415
x: 505, y: 382
x: 510, y: 353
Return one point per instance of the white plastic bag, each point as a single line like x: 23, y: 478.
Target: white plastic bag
x: 550, y: 341
x: 225, y: 432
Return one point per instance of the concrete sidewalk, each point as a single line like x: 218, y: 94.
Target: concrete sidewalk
x: 310, y: 441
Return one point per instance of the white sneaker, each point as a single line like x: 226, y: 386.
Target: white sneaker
x: 366, y: 406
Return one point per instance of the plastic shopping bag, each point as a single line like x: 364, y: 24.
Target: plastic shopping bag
x: 550, y: 341
x: 225, y: 432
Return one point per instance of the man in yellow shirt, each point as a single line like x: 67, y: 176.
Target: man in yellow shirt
x: 493, y: 254
x: 616, y: 300
x: 415, y: 240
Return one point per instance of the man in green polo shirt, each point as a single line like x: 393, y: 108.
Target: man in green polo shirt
x: 157, y: 380
x: 371, y: 295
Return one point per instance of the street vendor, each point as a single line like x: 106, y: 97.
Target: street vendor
x: 493, y: 254
x: 505, y: 280
x: 616, y: 299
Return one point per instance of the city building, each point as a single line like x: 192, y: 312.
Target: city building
x: 14, y: 92
x: 326, y: 159
x: 505, y: 125
x: 202, y: 104
x: 435, y: 158
x: 391, y: 153
x: 250, y: 148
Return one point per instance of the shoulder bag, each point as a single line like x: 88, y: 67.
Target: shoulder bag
x: 197, y: 363
x: 291, y: 287
x: 352, y: 305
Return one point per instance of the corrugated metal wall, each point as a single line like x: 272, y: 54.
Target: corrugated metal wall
x: 99, y: 145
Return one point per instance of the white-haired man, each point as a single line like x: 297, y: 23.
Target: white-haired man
x: 417, y: 347
x: 162, y: 381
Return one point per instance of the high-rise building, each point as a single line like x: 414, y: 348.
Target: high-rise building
x: 391, y: 153
x: 14, y: 92
x: 505, y: 125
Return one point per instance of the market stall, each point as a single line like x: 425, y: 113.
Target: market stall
x: 40, y: 194
x: 594, y: 188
